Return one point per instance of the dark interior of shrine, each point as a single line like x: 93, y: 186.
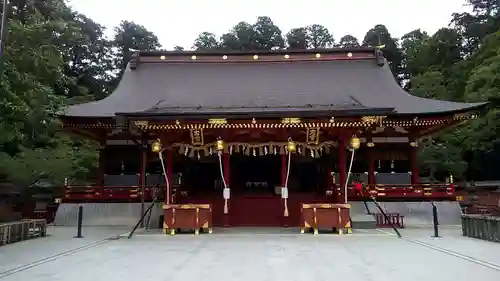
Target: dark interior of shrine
x: 258, y: 175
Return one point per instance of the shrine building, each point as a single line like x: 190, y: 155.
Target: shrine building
x: 256, y: 137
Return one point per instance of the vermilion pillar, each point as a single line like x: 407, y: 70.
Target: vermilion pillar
x: 227, y: 177
x: 169, y: 172
x: 415, y: 179
x: 342, y: 170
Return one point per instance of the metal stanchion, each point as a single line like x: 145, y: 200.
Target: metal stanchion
x: 435, y: 221
x: 80, y: 222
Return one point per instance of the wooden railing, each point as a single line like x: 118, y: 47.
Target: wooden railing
x: 481, y: 227
x: 482, y: 203
x: 405, y: 191
x: 380, y: 191
x: 106, y: 193
x: 47, y: 215
x: 22, y: 230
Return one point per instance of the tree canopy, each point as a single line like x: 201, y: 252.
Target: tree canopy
x: 55, y: 56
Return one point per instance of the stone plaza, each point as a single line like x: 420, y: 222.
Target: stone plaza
x: 251, y: 254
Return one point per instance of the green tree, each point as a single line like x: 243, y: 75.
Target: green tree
x: 429, y: 85
x: 298, y: 38
x: 50, y: 165
x: 268, y: 36
x: 319, y: 37
x: 206, y: 41
x: 414, y: 50
x: 379, y: 35
x: 348, y: 41
x: 240, y: 38
x: 131, y: 36
x: 441, y: 157
x: 89, y: 58
x: 476, y: 26
x: 263, y: 35
x: 49, y: 51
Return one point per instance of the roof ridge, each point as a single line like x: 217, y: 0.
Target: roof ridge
x: 258, y: 52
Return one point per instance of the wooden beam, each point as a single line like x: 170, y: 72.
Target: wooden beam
x: 429, y: 131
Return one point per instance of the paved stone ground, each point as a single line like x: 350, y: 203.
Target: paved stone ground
x: 249, y: 254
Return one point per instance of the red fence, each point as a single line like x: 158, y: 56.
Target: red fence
x: 392, y: 219
x: 423, y: 192
x: 406, y: 191
x: 107, y: 193
x: 483, y: 203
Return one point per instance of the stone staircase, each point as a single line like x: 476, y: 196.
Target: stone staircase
x: 362, y: 215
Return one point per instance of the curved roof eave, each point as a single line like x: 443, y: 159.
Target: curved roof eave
x: 254, y: 85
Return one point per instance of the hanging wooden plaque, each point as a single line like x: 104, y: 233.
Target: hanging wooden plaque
x: 312, y: 136
x: 196, y: 137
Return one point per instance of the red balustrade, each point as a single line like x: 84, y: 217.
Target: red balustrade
x: 107, y: 193
x: 389, y: 220
x: 382, y: 192
x: 405, y: 191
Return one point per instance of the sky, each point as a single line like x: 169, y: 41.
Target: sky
x: 180, y: 22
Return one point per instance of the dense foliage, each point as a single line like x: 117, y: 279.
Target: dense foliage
x: 55, y: 56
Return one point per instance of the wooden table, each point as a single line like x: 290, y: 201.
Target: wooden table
x: 187, y: 216
x: 331, y: 216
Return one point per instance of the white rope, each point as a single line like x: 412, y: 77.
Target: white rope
x: 286, y: 183
x: 288, y: 169
x: 348, y: 176
x: 160, y: 155
x: 219, y: 153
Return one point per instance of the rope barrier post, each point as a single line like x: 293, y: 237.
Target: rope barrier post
x: 435, y: 221
x: 80, y: 222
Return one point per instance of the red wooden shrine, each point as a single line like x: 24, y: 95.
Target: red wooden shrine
x: 255, y: 103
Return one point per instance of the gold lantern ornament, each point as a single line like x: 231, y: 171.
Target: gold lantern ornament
x: 291, y: 145
x: 219, y: 144
x: 156, y: 146
x: 355, y: 142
